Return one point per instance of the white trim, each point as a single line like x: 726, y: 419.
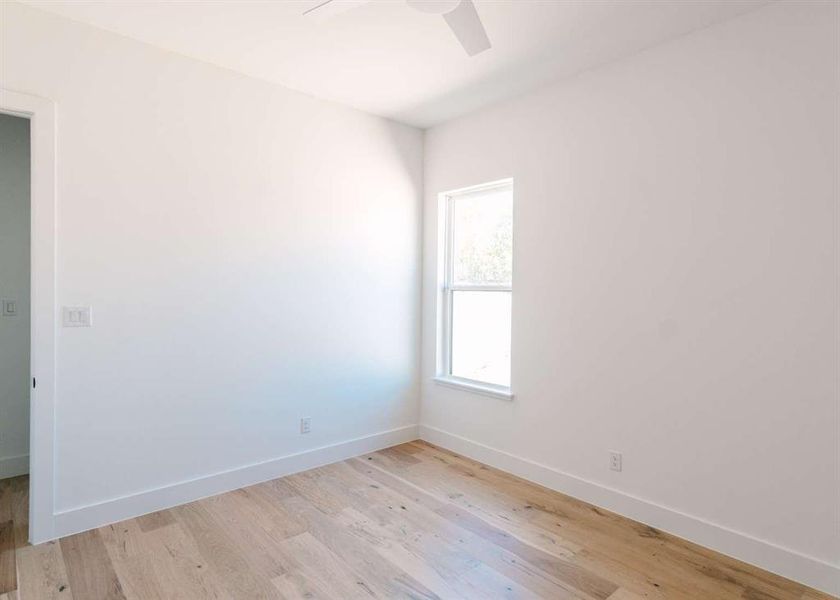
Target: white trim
x: 12, y: 466
x: 457, y: 287
x: 766, y: 555
x: 90, y: 516
x: 476, y: 387
x: 42, y: 132
x: 446, y: 276
x: 480, y: 187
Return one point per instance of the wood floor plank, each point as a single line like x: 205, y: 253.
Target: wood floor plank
x: 509, y: 502
x: 388, y: 520
x: 42, y: 573
x: 409, y: 448
x: 267, y: 502
x: 89, y: 568
x: 443, y: 567
x: 484, y: 582
x: 5, y: 500
x: 623, y: 594
x: 400, y: 456
x: 138, y: 578
x: 312, y: 562
x: 155, y: 520
x: 308, y: 485
x: 20, y: 509
x: 815, y: 595
x: 417, y: 560
x: 239, y: 577
x: 576, y: 576
x: 180, y: 568
x: 377, y: 574
x: 123, y: 540
x: 297, y: 586
x: 421, y: 516
x: 647, y: 561
x: 412, y: 521
x: 241, y: 521
x: 452, y: 551
x: 160, y: 563
x: 8, y: 568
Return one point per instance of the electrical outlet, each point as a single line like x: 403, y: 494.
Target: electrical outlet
x: 306, y: 424
x: 615, y: 461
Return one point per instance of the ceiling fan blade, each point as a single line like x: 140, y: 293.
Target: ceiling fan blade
x: 321, y: 10
x: 466, y: 25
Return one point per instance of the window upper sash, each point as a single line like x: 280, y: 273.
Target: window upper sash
x: 479, y: 242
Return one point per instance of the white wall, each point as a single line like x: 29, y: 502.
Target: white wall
x: 251, y: 255
x: 675, y: 285
x: 14, y: 285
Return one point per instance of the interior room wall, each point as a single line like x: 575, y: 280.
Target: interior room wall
x: 14, y: 286
x: 675, y: 286
x: 251, y: 256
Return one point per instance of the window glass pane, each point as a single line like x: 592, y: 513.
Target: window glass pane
x: 482, y: 237
x: 481, y: 336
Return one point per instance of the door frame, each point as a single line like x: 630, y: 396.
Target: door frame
x: 42, y: 134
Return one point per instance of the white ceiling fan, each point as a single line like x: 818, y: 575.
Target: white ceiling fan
x: 460, y: 15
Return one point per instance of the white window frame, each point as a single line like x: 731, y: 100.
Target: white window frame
x: 448, y: 287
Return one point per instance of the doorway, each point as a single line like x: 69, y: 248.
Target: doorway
x: 15, y: 277
x: 14, y: 297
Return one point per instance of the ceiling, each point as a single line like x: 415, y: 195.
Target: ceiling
x: 391, y: 60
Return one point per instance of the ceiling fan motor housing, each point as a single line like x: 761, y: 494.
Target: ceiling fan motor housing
x: 434, y: 7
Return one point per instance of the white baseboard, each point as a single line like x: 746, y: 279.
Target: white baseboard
x: 788, y: 563
x: 12, y: 466
x: 766, y: 555
x: 87, y: 517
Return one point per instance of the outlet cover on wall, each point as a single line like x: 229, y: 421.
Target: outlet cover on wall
x: 306, y: 424
x: 76, y: 316
x: 615, y: 461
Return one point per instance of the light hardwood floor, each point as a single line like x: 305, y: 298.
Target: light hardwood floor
x: 413, y: 521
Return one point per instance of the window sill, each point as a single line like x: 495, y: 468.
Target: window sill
x: 485, y: 389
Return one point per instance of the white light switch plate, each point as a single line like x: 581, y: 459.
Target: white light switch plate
x: 76, y: 316
x: 9, y: 308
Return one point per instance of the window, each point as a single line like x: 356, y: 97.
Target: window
x: 476, y: 277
